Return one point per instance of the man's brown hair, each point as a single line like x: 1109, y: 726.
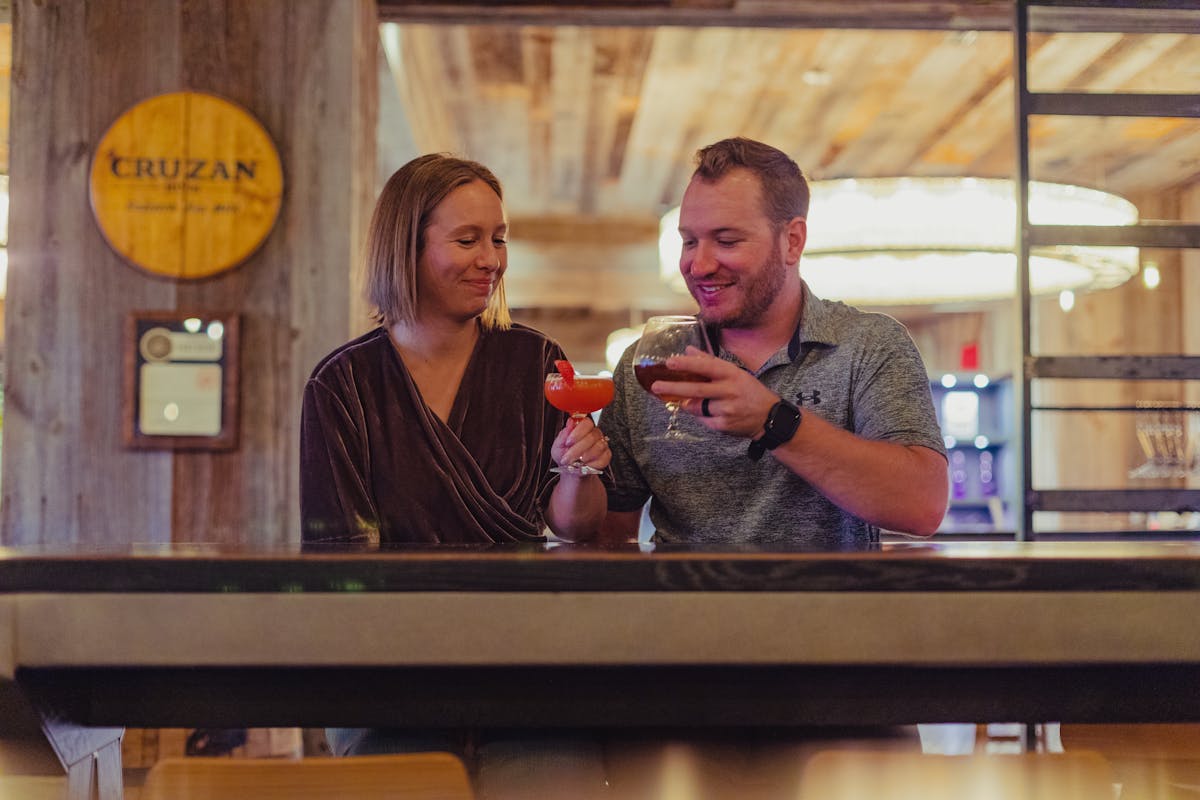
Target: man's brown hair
x: 784, y: 189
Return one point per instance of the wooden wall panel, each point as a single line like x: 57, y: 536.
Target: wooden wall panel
x: 307, y: 71
x: 66, y: 296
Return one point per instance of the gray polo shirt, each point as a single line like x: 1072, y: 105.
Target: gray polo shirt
x: 860, y: 371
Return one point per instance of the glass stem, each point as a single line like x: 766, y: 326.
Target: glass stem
x: 673, y: 423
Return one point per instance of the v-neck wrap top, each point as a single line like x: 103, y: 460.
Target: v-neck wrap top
x: 378, y: 466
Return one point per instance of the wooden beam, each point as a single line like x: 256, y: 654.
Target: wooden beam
x: 1116, y: 367
x: 895, y: 14
x: 1112, y: 500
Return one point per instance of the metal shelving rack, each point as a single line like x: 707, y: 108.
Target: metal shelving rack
x: 1128, y: 16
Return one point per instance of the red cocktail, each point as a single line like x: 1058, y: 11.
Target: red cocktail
x: 580, y: 396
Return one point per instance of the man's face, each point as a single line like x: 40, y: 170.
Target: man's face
x: 732, y: 259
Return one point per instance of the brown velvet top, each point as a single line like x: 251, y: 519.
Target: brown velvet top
x: 377, y: 465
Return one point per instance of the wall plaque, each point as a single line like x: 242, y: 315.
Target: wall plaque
x: 186, y: 185
x: 181, y: 380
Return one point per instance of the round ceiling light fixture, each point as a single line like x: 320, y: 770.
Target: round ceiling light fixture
x: 911, y: 241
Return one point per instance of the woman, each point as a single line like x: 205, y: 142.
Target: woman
x: 433, y: 427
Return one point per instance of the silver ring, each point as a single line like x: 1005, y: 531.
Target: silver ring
x: 704, y: 408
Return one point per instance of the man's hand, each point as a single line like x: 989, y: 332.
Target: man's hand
x: 737, y: 403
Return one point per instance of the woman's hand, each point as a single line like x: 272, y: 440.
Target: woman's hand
x: 579, y: 502
x: 580, y: 444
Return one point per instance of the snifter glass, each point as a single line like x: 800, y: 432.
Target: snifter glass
x: 662, y: 338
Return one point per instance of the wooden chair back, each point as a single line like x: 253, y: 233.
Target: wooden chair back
x: 855, y: 774
x: 406, y: 776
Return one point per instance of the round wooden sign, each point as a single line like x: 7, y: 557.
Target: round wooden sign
x: 186, y: 185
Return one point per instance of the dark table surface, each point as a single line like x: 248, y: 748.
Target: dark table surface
x: 899, y: 566
x: 563, y: 636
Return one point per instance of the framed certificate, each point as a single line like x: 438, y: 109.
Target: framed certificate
x: 181, y: 380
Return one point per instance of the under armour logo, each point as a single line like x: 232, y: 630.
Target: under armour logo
x: 812, y: 398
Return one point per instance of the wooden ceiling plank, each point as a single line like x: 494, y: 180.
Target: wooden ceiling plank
x: 603, y: 113
x: 728, y: 94
x: 429, y: 83
x: 958, y: 72
x: 537, y: 55
x: 605, y: 120
x: 656, y: 137
x: 1064, y: 56
x: 502, y: 136
x: 988, y: 125
x: 420, y: 89
x: 794, y: 124
x: 782, y: 83
x: 631, y: 73
x: 1094, y: 151
x: 1177, y: 69
x: 732, y: 94
x: 394, y: 131
x: 571, y: 91
x: 460, y: 94
x: 1119, y: 68
x: 875, y: 118
x: 847, y: 64
x: 1077, y: 150
x: 1163, y: 165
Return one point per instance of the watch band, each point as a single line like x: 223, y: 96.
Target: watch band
x: 782, y: 421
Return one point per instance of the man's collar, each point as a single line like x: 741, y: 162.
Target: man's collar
x: 815, y: 326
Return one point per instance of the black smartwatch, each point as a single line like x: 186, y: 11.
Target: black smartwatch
x: 782, y: 422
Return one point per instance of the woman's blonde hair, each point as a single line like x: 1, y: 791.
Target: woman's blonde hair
x: 396, y: 237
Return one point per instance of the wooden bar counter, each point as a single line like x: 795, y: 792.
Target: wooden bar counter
x: 565, y: 636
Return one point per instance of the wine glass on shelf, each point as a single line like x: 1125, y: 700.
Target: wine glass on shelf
x: 579, y: 396
x: 662, y: 338
x: 1166, y: 432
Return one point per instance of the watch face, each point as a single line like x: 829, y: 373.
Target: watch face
x: 781, y: 425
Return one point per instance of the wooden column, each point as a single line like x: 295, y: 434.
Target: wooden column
x: 307, y: 71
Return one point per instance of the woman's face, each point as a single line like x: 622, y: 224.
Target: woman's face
x: 465, y: 253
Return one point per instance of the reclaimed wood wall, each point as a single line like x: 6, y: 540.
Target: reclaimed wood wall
x: 308, y: 72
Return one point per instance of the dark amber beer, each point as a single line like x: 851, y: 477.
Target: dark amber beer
x: 648, y: 371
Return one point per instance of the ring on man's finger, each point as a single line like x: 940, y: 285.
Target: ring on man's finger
x: 704, y: 412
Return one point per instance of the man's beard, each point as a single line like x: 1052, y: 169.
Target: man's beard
x: 759, y: 293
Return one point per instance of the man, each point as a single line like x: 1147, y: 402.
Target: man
x: 820, y: 424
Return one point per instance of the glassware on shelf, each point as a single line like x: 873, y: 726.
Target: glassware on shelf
x: 1167, y: 432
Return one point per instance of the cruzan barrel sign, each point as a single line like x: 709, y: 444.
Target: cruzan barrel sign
x: 186, y: 185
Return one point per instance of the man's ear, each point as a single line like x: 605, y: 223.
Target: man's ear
x: 795, y: 234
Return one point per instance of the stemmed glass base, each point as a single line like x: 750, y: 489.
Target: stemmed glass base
x: 578, y: 467
x: 673, y: 433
